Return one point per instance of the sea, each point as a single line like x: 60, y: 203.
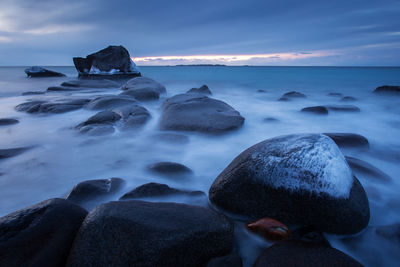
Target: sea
x: 60, y: 157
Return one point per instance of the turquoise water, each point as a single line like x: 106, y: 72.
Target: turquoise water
x: 62, y: 158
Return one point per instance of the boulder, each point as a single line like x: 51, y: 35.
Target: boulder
x: 316, y: 110
x: 348, y: 99
x: 144, y: 83
x: 142, y: 94
x: 300, y: 179
x: 8, y: 121
x: 343, y: 108
x: 201, y: 90
x: 133, y: 116
x: 110, y: 101
x: 170, y: 168
x: 12, y: 152
x: 36, y: 71
x: 231, y: 260
x: 91, y: 190
x: 113, y: 60
x: 138, y: 233
x: 150, y: 190
x: 292, y: 95
x: 363, y: 167
x: 387, y: 89
x: 40, y: 235
x: 348, y: 139
x: 56, y: 106
x: 196, y: 112
x: 103, y: 117
x: 91, y: 83
x: 97, y: 129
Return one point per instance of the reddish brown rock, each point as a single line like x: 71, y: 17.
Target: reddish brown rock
x: 270, y: 229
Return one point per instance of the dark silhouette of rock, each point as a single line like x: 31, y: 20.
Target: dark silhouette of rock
x: 201, y: 90
x: 144, y: 83
x: 36, y: 71
x: 291, y: 95
x: 349, y: 139
x: 8, y: 121
x: 387, y: 89
x: 142, y: 94
x: 97, y: 129
x: 12, y: 152
x: 158, y: 190
x: 261, y: 91
x: 34, y: 93
x: 348, y: 99
x: 138, y: 233
x: 133, y: 116
x: 56, y: 106
x: 196, y: 112
x: 270, y: 119
x: 335, y: 94
x: 40, y: 235
x: 299, y: 179
x: 110, y: 101
x: 94, y: 189
x: 344, y: 108
x: 366, y: 168
x: 170, y: 168
x: 111, y: 61
x: 316, y: 110
x: 231, y: 260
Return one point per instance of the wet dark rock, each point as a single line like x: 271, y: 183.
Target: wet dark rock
x: 316, y: 110
x: 366, y: 168
x: 144, y: 83
x: 103, y: 117
x: 261, y: 91
x: 201, y: 90
x: 388, y: 89
x: 57, y: 106
x: 170, y: 168
x: 300, y: 253
x: 110, y: 101
x: 111, y: 61
x: 231, y: 260
x: 91, y: 83
x: 97, y: 129
x: 196, y: 112
x: 63, y: 89
x: 36, y: 71
x: 133, y: 116
x: 390, y: 232
x: 270, y: 119
x: 12, y: 152
x: 94, y: 189
x: 344, y: 108
x: 172, y: 138
x: 142, y: 94
x: 40, y: 235
x: 299, y: 179
x: 335, y: 94
x: 138, y: 233
x: 33, y: 93
x: 292, y: 95
x: 158, y: 190
x: 348, y: 99
x: 8, y: 121
x: 349, y: 139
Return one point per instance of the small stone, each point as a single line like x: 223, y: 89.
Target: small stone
x: 270, y: 229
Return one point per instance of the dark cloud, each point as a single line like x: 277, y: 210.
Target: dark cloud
x: 52, y: 31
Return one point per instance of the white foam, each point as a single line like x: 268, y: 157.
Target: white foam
x: 311, y: 162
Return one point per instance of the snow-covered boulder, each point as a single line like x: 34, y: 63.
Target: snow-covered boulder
x: 300, y: 179
x: 113, y: 60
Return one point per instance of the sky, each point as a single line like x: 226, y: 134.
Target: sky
x: 234, y: 32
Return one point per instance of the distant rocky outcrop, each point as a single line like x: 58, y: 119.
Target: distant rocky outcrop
x: 111, y: 61
x: 388, y: 89
x: 37, y: 71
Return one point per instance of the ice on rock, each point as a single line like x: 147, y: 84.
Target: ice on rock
x: 306, y: 162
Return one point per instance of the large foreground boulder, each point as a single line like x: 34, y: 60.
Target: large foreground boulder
x: 113, y: 60
x: 54, y: 106
x: 37, y: 71
x: 137, y: 233
x: 40, y: 235
x: 144, y: 83
x: 299, y: 179
x: 196, y: 112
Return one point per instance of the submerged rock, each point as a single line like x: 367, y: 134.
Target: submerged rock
x: 291, y: 95
x: 36, y: 71
x: 335, y: 94
x: 8, y: 121
x: 201, y: 90
x: 316, y: 110
x: 57, y: 106
x: 97, y: 129
x: 270, y: 119
x: 144, y: 83
x: 133, y: 116
x: 172, y: 138
x: 387, y: 89
x: 138, y: 233
x: 344, y: 108
x: 91, y: 83
x: 348, y: 139
x: 158, y: 190
x: 364, y: 167
x: 110, y: 101
x: 270, y: 229
x: 348, y: 99
x: 34, y: 93
x: 196, y: 112
x: 40, y: 235
x: 142, y: 94
x: 111, y: 61
x: 12, y: 152
x: 94, y: 189
x: 299, y: 179
x: 170, y: 168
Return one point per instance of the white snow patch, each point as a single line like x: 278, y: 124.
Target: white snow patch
x: 310, y: 162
